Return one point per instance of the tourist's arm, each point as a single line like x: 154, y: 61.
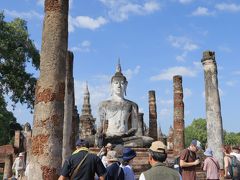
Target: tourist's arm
x: 226, y: 164
x: 188, y: 164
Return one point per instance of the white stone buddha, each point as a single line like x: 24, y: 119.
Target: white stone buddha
x: 118, y: 115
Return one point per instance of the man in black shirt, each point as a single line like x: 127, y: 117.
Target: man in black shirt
x: 90, y: 164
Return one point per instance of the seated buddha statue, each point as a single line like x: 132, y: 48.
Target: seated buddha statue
x: 119, y: 116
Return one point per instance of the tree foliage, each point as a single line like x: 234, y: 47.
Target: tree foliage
x: 16, y: 50
x: 197, y: 130
x: 232, y: 138
x: 8, y: 124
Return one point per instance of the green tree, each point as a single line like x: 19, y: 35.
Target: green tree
x: 197, y: 130
x: 16, y: 51
x: 232, y: 138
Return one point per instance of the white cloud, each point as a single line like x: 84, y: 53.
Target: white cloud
x: 85, y: 46
x: 228, y: 7
x: 202, y: 11
x: 24, y: 15
x: 120, y: 10
x: 187, y: 92
x: 168, y: 102
x: 231, y: 83
x: 236, y: 72
x: 185, y: 1
x: 165, y: 112
x: 170, y: 72
x: 129, y: 73
x: 86, y: 22
x: 182, y: 42
x: 225, y: 49
x: 40, y: 2
x: 182, y: 57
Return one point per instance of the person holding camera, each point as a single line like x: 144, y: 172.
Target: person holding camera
x: 189, y: 160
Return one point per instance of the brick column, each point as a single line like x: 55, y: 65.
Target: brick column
x: 8, y: 162
x: 46, y: 159
x: 140, y: 125
x: 152, y: 116
x: 213, y: 106
x: 178, y: 116
x: 68, y: 108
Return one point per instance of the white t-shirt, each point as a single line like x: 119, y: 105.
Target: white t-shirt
x: 235, y: 154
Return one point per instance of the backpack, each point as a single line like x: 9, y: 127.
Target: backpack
x: 234, y: 168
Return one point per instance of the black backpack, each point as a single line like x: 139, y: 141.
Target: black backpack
x: 234, y: 168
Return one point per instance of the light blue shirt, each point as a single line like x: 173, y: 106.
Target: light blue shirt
x: 128, y: 172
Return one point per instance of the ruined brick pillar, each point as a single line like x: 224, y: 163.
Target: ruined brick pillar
x: 170, y: 139
x: 46, y: 159
x: 75, y: 127
x: 17, y: 139
x: 178, y: 116
x: 140, y: 131
x: 213, y: 106
x: 152, y: 116
x: 8, y: 162
x: 68, y: 108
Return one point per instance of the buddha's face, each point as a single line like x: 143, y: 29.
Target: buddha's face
x: 119, y: 87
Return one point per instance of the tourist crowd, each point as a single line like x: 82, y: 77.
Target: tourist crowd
x: 113, y: 163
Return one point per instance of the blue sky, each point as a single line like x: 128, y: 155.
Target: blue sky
x: 154, y: 39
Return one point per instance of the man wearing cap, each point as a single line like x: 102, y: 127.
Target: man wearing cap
x: 211, y: 165
x: 82, y: 165
x: 114, y: 171
x: 189, y: 160
x: 128, y: 155
x: 19, y: 166
x: 157, y: 155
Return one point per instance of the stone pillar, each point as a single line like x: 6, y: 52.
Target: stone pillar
x: 68, y: 109
x: 75, y: 127
x: 140, y: 131
x: 8, y: 162
x: 213, y: 106
x: 46, y: 159
x: 152, y: 116
x: 17, y: 139
x: 170, y: 139
x: 178, y: 116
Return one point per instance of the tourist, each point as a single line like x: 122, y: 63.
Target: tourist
x: 128, y: 155
x: 157, y: 155
x: 235, y: 152
x: 211, y: 165
x: 82, y: 164
x: 189, y: 161
x: 19, y: 166
x: 114, y: 171
x: 103, y: 155
x: 227, y: 161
